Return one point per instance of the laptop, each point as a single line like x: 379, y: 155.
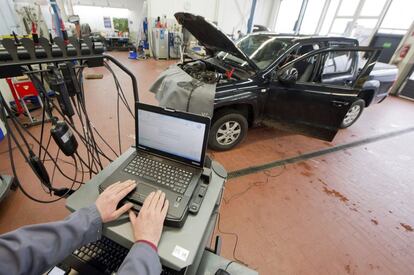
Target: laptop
x: 169, y: 156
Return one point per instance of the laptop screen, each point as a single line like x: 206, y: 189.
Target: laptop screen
x: 177, y: 135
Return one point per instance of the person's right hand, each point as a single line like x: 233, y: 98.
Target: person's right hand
x: 149, y: 222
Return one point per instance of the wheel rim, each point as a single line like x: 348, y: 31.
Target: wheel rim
x: 352, y: 114
x: 228, y: 132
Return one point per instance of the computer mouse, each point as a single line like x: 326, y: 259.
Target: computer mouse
x: 221, y: 271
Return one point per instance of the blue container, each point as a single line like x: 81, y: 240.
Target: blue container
x: 132, y: 55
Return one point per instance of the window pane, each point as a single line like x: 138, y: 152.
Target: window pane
x: 392, y: 31
x: 342, y: 68
x: 348, y: 7
x: 338, y: 63
x: 329, y: 16
x: 339, y: 26
x: 287, y: 16
x: 399, y: 15
x: 311, y: 18
x: 367, y: 23
x: 372, y: 7
x: 305, y: 68
x: 363, y: 30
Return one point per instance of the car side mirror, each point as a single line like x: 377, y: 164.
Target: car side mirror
x: 288, y: 75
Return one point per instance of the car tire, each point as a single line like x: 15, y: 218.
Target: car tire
x: 228, y: 130
x: 353, y: 113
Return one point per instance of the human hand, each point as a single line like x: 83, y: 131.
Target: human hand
x: 149, y: 222
x: 109, y: 199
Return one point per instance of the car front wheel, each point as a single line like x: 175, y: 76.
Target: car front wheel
x: 353, y: 113
x: 228, y: 130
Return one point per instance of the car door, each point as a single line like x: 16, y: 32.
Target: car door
x: 306, y: 96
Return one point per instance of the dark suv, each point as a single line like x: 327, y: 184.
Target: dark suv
x: 314, y: 85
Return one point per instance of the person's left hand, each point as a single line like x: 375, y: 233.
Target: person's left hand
x: 109, y: 199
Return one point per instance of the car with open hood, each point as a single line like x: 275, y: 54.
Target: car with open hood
x: 311, y: 85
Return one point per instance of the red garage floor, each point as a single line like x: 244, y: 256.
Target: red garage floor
x: 348, y: 212
x: 344, y: 213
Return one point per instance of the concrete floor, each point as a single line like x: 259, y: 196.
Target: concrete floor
x: 347, y: 212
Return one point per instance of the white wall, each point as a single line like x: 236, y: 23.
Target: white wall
x: 168, y: 8
x: 94, y: 16
x: 262, y: 15
x: 231, y: 15
x: 8, y: 20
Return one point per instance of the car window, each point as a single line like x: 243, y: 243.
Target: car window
x: 263, y: 49
x: 341, y: 68
x: 306, y: 68
x: 338, y: 62
x: 335, y: 67
x: 301, y: 50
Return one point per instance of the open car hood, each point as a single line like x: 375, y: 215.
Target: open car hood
x: 210, y: 36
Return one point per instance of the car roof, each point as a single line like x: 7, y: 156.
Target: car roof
x: 308, y: 38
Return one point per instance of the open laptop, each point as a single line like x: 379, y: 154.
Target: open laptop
x: 170, y: 151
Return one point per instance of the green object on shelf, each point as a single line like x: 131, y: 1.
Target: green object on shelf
x: 387, y: 45
x: 121, y: 24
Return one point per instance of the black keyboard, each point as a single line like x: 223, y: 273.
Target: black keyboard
x: 167, y: 176
x: 105, y: 257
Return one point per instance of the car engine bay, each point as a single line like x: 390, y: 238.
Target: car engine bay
x: 209, y: 73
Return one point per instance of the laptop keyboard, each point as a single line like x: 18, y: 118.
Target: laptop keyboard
x: 165, y: 175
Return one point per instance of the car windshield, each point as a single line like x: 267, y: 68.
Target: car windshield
x: 262, y: 49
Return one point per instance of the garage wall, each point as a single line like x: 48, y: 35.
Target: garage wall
x: 263, y: 13
x: 168, y: 8
x: 7, y: 18
x: 94, y: 15
x: 231, y: 15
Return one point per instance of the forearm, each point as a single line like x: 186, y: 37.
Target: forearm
x: 142, y: 259
x: 33, y: 249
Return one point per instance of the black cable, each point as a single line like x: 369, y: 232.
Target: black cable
x: 12, y: 116
x: 14, y: 119
x: 78, y: 111
x: 119, y: 125
x: 83, y: 174
x: 236, y: 236
x: 227, y: 266
x: 104, y: 141
x: 69, y: 163
x: 120, y: 91
x: 42, y: 129
x: 77, y: 132
x: 49, y: 102
x: 47, y: 148
x: 15, y: 147
x: 254, y: 184
x: 93, y: 147
x: 54, y: 168
x: 120, y: 96
x: 83, y: 105
x: 226, y: 201
x: 82, y: 161
x: 17, y: 123
x: 16, y: 178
